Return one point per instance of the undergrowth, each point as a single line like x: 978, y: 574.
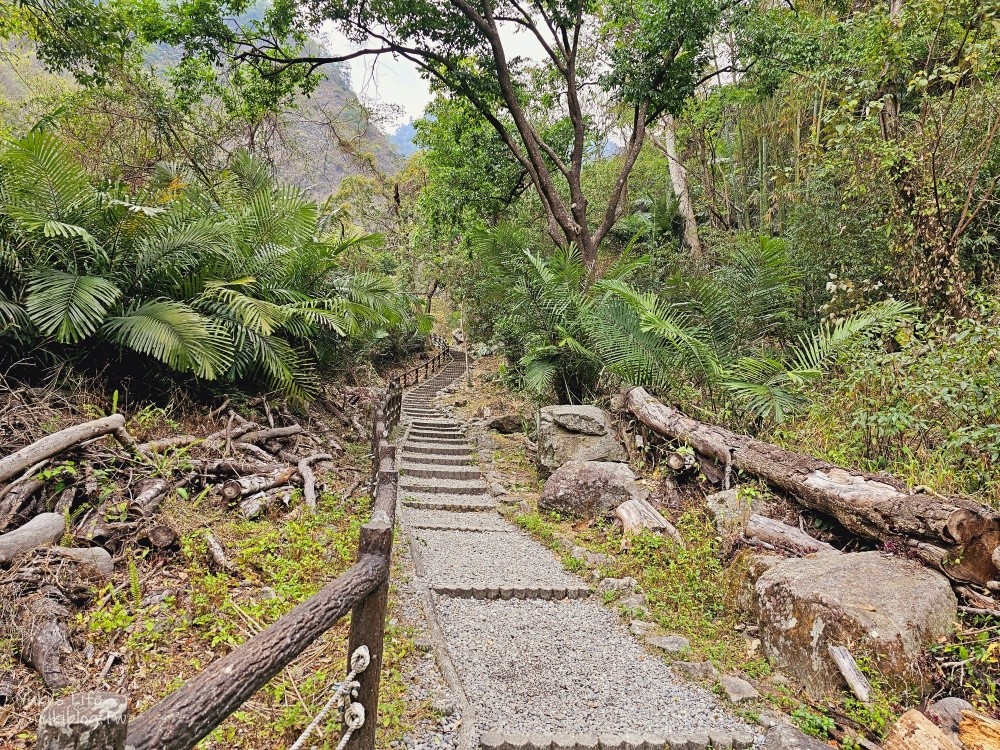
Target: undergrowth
x: 176, y: 618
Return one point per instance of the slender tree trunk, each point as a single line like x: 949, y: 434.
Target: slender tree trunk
x: 679, y: 180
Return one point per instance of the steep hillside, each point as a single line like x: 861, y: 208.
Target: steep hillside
x: 320, y: 140
x: 329, y: 136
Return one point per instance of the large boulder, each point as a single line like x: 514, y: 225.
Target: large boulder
x: 575, y: 433
x: 883, y: 608
x: 587, y: 489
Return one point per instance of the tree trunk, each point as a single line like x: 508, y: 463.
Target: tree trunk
x: 43, y: 530
x: 236, y: 488
x: 44, y: 638
x: 57, y: 442
x: 979, y: 732
x: 782, y: 535
x: 679, y: 180
x: 84, y: 720
x: 875, y: 507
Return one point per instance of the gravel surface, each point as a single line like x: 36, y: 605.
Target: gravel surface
x: 540, y: 666
x: 487, y: 521
x: 464, y: 558
x: 420, y: 670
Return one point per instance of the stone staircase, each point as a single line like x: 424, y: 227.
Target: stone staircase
x: 540, y: 663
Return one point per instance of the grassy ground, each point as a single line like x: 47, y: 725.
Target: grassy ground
x: 167, y: 614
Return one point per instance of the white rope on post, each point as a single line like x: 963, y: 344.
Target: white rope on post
x: 354, y: 713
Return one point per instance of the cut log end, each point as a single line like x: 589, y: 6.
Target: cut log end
x: 91, y: 720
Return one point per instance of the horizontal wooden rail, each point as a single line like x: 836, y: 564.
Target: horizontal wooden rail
x: 97, y: 721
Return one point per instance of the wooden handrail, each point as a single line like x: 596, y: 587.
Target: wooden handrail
x: 183, y: 718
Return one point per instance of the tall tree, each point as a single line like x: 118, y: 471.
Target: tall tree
x: 634, y: 58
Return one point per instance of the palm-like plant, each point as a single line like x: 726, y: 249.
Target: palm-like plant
x: 230, y: 280
x: 724, y: 332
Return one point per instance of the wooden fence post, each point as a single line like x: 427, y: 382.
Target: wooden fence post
x: 368, y: 629
x: 84, y: 721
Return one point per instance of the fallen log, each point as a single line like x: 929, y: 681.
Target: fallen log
x: 231, y: 467
x: 165, y: 444
x: 78, y: 573
x: 637, y: 514
x: 216, y: 552
x: 57, y: 442
x: 253, y: 505
x: 871, y: 506
x: 19, y: 502
x: 274, y: 433
x: 234, y: 489
x: 979, y: 732
x: 43, y: 530
x: 150, y: 496
x: 309, y: 479
x: 914, y: 731
x: 782, y: 535
x: 45, y: 638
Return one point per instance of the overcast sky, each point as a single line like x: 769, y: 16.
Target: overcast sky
x: 391, y: 82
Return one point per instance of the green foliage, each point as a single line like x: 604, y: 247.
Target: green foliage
x: 231, y: 279
x: 727, y: 330
x: 924, y: 413
x: 812, y: 723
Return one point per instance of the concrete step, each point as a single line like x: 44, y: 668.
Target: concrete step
x: 435, y: 424
x: 431, y: 471
x: 546, y: 593
x: 462, y: 563
x: 432, y: 460
x: 436, y: 449
x: 447, y: 520
x: 434, y: 438
x: 436, y: 434
x: 442, y: 486
x: 453, y: 503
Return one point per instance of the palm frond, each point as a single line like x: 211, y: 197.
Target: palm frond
x: 176, y: 335
x: 69, y: 307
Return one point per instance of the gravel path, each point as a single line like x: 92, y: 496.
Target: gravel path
x: 463, y: 558
x: 531, y: 667
x: 537, y: 666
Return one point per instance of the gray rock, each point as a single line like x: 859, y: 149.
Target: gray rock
x: 700, y: 670
x: 619, y: 586
x: 592, y: 559
x: 720, y: 739
x: 886, y: 606
x: 635, y: 603
x: 640, y: 628
x: 737, y: 689
x: 588, y: 489
x: 742, y: 740
x: 673, y: 644
x: 787, y: 737
x: 698, y: 741
x: 947, y: 713
x: 575, y: 433
x: 497, y: 489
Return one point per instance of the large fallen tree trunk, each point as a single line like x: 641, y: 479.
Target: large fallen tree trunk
x: 871, y: 506
x: 57, y: 442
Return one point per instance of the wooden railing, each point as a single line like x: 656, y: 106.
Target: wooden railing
x: 99, y: 721
x: 429, y: 367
